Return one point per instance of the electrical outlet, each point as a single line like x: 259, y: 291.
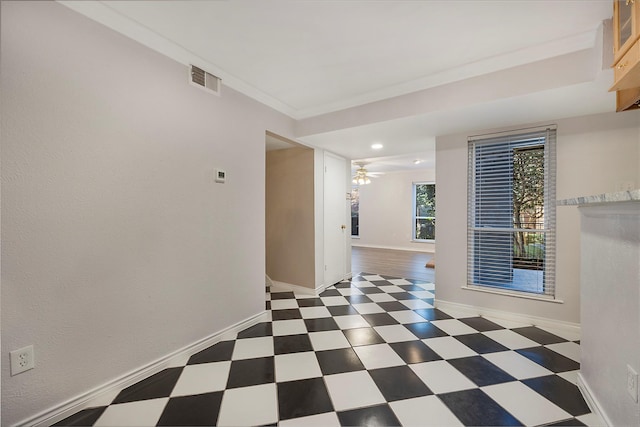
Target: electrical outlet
x: 632, y: 383
x: 22, y: 360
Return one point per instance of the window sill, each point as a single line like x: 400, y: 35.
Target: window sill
x: 422, y: 241
x: 355, y: 237
x: 513, y: 294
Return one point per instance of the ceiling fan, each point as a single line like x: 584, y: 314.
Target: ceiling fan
x: 362, y: 176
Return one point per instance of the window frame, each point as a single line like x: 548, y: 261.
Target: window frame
x: 513, y: 141
x: 415, y: 216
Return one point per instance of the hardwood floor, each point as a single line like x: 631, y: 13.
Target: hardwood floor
x: 405, y: 264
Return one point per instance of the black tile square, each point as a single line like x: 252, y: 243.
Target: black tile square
x: 480, y: 324
x: 427, y: 300
x: 373, y: 416
x: 371, y: 290
x: 538, y: 335
x: 321, y: 324
x: 402, y: 296
x: 288, y: 314
x: 303, y: 398
x: 263, y: 329
x: 481, y: 343
x: 158, y: 385
x: 330, y: 293
x: 561, y: 392
x: 392, y: 306
x: 343, y: 285
x: 398, y: 383
x: 292, y: 344
x: 267, y: 305
x: 380, y: 319
x: 282, y: 295
x: 339, y: 361
x: 310, y: 302
x: 474, y: 408
x: 362, y: 336
x: 359, y: 277
x: 216, y: 353
x: 86, y: 417
x: 414, y: 352
x: 551, y: 360
x: 432, y: 314
x: 249, y: 372
x: 425, y: 330
x: 411, y: 287
x: 357, y: 299
x: 480, y: 370
x: 196, y: 410
x: 384, y: 281
x: 341, y: 310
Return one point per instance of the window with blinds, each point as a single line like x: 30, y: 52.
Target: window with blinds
x: 511, y: 211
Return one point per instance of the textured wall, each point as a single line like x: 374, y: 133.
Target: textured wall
x: 594, y: 154
x: 117, y: 246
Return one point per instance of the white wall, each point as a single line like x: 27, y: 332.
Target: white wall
x: 117, y: 246
x: 594, y: 154
x: 386, y: 211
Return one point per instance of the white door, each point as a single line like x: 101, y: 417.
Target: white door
x: 336, y: 229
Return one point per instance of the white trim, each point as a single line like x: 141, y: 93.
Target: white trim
x: 592, y: 402
x: 396, y: 248
x: 544, y: 322
x: 85, y: 400
x: 510, y: 293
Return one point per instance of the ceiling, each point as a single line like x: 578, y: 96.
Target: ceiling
x: 397, y: 72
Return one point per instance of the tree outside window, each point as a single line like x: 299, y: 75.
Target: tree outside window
x: 424, y: 212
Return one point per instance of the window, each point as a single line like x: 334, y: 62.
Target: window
x: 424, y: 211
x: 511, y: 212
x: 355, y: 211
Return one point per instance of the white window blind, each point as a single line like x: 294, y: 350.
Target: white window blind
x: 511, y: 211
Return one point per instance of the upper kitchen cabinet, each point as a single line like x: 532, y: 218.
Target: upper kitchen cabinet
x: 626, y: 51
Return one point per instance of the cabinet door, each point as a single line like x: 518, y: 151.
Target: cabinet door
x: 625, y: 25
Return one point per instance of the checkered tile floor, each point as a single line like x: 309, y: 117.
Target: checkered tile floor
x: 370, y: 351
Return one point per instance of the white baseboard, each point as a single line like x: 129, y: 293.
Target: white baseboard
x: 591, y: 400
x: 96, y: 396
x: 293, y: 288
x: 397, y: 248
x: 472, y: 310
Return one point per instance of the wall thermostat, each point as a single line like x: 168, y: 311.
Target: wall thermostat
x: 221, y: 176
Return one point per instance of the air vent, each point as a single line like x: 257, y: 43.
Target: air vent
x: 205, y: 80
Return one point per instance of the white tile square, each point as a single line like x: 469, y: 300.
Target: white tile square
x: 331, y: 301
x: 134, y: 414
x: 567, y: 349
x: 395, y: 333
x: 428, y: 411
x: 510, y: 339
x: 306, y: 295
x: 516, y: 365
x: 454, y: 327
x: 296, y: 366
x: 416, y: 304
x: 509, y: 324
x: 328, y: 419
x: 381, y: 297
x: 328, y: 340
x: 284, y: 304
x: 349, y: 291
x: 406, y: 316
x: 441, y: 377
x: 449, y: 347
x: 314, y: 312
x: 427, y: 286
x: 351, y: 321
x: 353, y: 390
x: 250, y: 348
x: 422, y: 294
x: 391, y: 289
x: 363, y: 284
x: 372, y: 277
x: 525, y: 404
x: 202, y: 378
x: 288, y: 327
x: 591, y: 420
x: 568, y: 333
x: 398, y: 282
x: 378, y: 356
x: 263, y: 410
x: 368, y: 308
x: 571, y: 376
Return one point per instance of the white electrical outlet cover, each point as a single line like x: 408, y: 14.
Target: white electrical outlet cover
x: 22, y: 360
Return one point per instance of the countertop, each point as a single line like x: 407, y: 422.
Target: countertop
x: 620, y: 196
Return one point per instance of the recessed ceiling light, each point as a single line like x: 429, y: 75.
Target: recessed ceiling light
x: 376, y: 146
